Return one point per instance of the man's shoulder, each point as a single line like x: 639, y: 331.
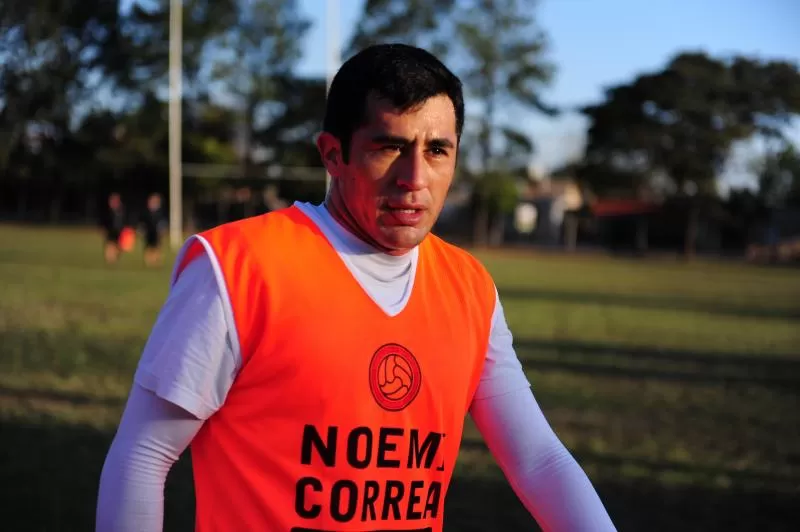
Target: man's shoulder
x: 465, y: 272
x: 288, y: 224
x: 457, y: 255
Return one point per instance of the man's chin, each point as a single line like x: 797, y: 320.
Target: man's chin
x: 403, y: 239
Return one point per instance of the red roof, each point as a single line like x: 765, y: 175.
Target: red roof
x: 621, y: 207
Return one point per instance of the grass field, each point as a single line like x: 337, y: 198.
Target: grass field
x: 676, y: 386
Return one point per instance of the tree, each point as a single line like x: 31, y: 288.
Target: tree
x: 679, y: 124
x: 503, y: 52
x: 496, y: 194
x: 779, y: 177
x: 54, y: 58
x: 83, y: 92
x: 75, y: 72
x: 253, y: 60
x: 291, y: 132
x: 147, y: 32
x: 417, y: 22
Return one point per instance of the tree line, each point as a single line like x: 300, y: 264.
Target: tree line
x: 84, y: 87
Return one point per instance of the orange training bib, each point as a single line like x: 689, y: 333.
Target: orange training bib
x: 341, y: 418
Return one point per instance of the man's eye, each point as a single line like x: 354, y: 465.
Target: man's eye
x: 438, y: 151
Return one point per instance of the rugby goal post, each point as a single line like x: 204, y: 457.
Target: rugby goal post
x: 175, y: 126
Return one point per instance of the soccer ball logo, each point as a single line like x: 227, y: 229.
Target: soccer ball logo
x: 394, y: 377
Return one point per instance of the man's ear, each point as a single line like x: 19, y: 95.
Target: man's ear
x: 330, y: 151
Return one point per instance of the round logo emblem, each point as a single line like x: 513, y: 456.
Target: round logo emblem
x: 394, y: 377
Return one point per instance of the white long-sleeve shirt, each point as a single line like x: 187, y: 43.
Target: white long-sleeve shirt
x: 191, y: 361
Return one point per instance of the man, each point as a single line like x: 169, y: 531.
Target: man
x: 153, y: 222
x: 320, y: 359
x: 113, y: 222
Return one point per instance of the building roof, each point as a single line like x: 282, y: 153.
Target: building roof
x: 621, y: 207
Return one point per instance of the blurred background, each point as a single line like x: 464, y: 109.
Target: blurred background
x: 629, y: 173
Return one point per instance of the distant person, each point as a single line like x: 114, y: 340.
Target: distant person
x: 113, y: 225
x: 153, y: 225
x: 320, y: 359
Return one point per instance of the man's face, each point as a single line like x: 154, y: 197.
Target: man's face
x: 154, y: 202
x: 398, y: 173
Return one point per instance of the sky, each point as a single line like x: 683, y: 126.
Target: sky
x: 599, y: 43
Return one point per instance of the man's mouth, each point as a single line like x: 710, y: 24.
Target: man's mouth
x: 403, y: 206
x: 405, y: 215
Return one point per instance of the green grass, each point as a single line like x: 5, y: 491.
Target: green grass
x: 675, y: 385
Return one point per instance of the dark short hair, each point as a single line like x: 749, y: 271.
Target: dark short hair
x: 404, y: 75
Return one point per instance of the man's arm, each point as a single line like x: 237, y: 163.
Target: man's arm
x: 183, y: 377
x: 152, y: 435
x: 543, y: 474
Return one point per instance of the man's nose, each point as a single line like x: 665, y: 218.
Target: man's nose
x: 414, y: 172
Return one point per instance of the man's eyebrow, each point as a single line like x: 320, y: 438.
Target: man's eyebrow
x: 389, y: 139
x: 441, y: 143
x: 396, y: 139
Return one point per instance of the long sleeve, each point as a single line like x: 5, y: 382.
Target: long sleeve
x: 544, y: 475
x: 151, y: 437
x: 185, y: 372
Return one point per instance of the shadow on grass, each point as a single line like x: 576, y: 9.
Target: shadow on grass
x: 613, y: 463
x: 634, y: 506
x: 686, y: 366
x: 650, y: 302
x: 49, y: 476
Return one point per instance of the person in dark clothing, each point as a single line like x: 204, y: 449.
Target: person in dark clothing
x: 153, y: 225
x: 113, y: 225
